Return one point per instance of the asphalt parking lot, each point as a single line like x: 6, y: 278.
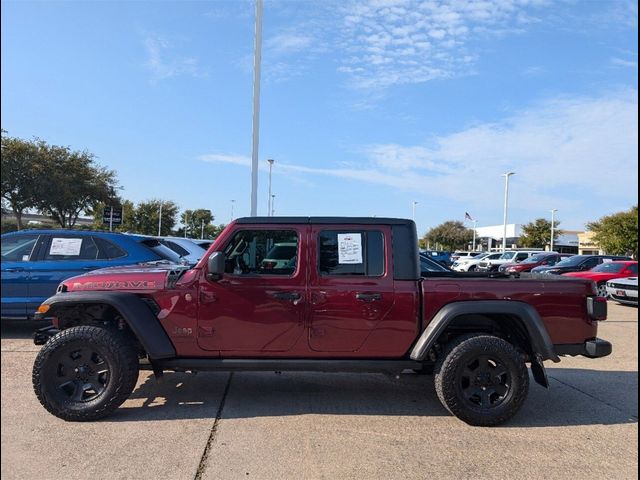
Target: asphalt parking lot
x: 311, y: 425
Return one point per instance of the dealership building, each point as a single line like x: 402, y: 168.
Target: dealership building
x: 490, y: 238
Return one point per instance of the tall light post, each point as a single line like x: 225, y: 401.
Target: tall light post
x: 202, y: 230
x: 269, y: 203
x: 232, y: 204
x: 256, y: 109
x: 475, y: 222
x: 553, y: 226
x: 413, y: 205
x: 273, y: 204
x: 186, y: 222
x: 160, y: 219
x: 506, y: 201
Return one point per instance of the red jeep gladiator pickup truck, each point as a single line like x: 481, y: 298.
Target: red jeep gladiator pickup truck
x: 322, y: 294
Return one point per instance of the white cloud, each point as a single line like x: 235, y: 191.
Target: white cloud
x: 565, y: 150
x: 289, y: 42
x: 163, y: 62
x: 408, y: 41
x: 620, y: 62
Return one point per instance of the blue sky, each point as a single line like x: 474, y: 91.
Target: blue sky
x: 366, y: 106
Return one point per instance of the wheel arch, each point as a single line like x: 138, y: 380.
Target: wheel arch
x: 135, y: 312
x: 513, y: 317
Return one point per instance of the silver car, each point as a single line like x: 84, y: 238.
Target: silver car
x: 185, y: 247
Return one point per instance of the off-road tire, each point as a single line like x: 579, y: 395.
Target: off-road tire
x: 111, y: 365
x: 453, y: 371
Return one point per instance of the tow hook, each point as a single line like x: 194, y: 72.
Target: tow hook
x: 42, y: 335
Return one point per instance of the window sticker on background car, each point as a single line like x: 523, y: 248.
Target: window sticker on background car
x: 65, y: 246
x: 607, y: 260
x: 349, y: 248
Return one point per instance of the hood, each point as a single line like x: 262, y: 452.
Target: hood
x: 141, y: 277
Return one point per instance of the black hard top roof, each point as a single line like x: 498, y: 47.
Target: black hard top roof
x: 326, y: 220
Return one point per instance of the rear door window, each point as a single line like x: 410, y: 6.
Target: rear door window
x: 71, y: 248
x: 351, y: 253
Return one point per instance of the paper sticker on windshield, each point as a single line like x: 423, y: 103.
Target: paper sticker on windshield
x: 349, y: 248
x: 65, y: 246
x: 607, y: 260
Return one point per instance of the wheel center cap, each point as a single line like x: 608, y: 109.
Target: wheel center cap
x: 483, y: 379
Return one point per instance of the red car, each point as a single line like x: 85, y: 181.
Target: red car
x: 607, y: 271
x: 543, y: 259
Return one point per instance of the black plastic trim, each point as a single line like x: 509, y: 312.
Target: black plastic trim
x: 594, y: 348
x: 406, y: 259
x: 324, y: 220
x: 133, y: 309
x: 597, y: 309
x: 540, y: 341
x: 289, y: 364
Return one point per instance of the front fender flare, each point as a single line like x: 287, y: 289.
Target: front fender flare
x: 540, y: 341
x: 139, y: 317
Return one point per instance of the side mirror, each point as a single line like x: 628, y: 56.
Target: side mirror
x: 215, y: 265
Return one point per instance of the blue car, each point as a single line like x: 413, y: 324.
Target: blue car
x: 34, y: 262
x: 442, y: 257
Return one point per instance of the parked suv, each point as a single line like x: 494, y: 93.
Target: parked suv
x: 510, y: 256
x: 577, y: 263
x: 34, y: 262
x: 185, y: 247
x: 470, y: 264
x: 439, y: 256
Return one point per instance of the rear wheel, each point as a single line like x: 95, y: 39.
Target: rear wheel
x: 85, y: 373
x: 481, y: 379
x: 472, y: 268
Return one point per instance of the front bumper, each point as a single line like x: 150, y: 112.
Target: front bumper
x: 594, y: 348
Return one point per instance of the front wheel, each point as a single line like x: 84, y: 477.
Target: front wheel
x: 85, y: 373
x: 602, y: 290
x: 481, y: 379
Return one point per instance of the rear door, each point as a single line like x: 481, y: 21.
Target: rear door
x: 351, y: 286
x: 63, y: 255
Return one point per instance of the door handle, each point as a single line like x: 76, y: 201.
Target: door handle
x: 369, y: 297
x: 16, y: 269
x: 288, y: 296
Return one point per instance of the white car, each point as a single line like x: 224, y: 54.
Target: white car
x: 469, y: 264
x: 623, y: 290
x: 185, y: 247
x: 511, y: 256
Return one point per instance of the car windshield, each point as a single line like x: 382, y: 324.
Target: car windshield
x: 282, y: 252
x: 535, y: 259
x: 610, y: 267
x: 572, y: 261
x: 507, y: 255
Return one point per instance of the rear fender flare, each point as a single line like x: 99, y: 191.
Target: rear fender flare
x: 139, y: 317
x: 541, y: 344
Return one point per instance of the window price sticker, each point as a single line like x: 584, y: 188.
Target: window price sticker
x: 349, y: 248
x: 65, y: 246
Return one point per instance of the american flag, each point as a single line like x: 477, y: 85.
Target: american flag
x: 467, y: 216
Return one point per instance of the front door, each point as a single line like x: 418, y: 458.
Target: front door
x: 18, y: 252
x: 351, y: 287
x: 259, y: 303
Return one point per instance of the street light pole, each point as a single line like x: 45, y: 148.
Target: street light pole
x: 553, y: 221
x: 202, y: 230
x: 475, y: 222
x: 506, y: 201
x: 273, y: 204
x: 186, y: 222
x: 414, y: 210
x: 160, y: 220
x: 269, y: 203
x: 256, y: 109
x: 232, y: 203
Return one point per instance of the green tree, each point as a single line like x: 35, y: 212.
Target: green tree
x: 194, y: 220
x: 147, y: 214
x: 537, y: 234
x: 617, y: 234
x: 18, y: 172
x: 71, y: 182
x: 451, y: 235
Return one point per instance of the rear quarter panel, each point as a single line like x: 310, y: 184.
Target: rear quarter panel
x: 561, y: 303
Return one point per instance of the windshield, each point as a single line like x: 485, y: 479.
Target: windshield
x: 535, y: 259
x: 507, y: 255
x: 572, y: 261
x: 609, y: 267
